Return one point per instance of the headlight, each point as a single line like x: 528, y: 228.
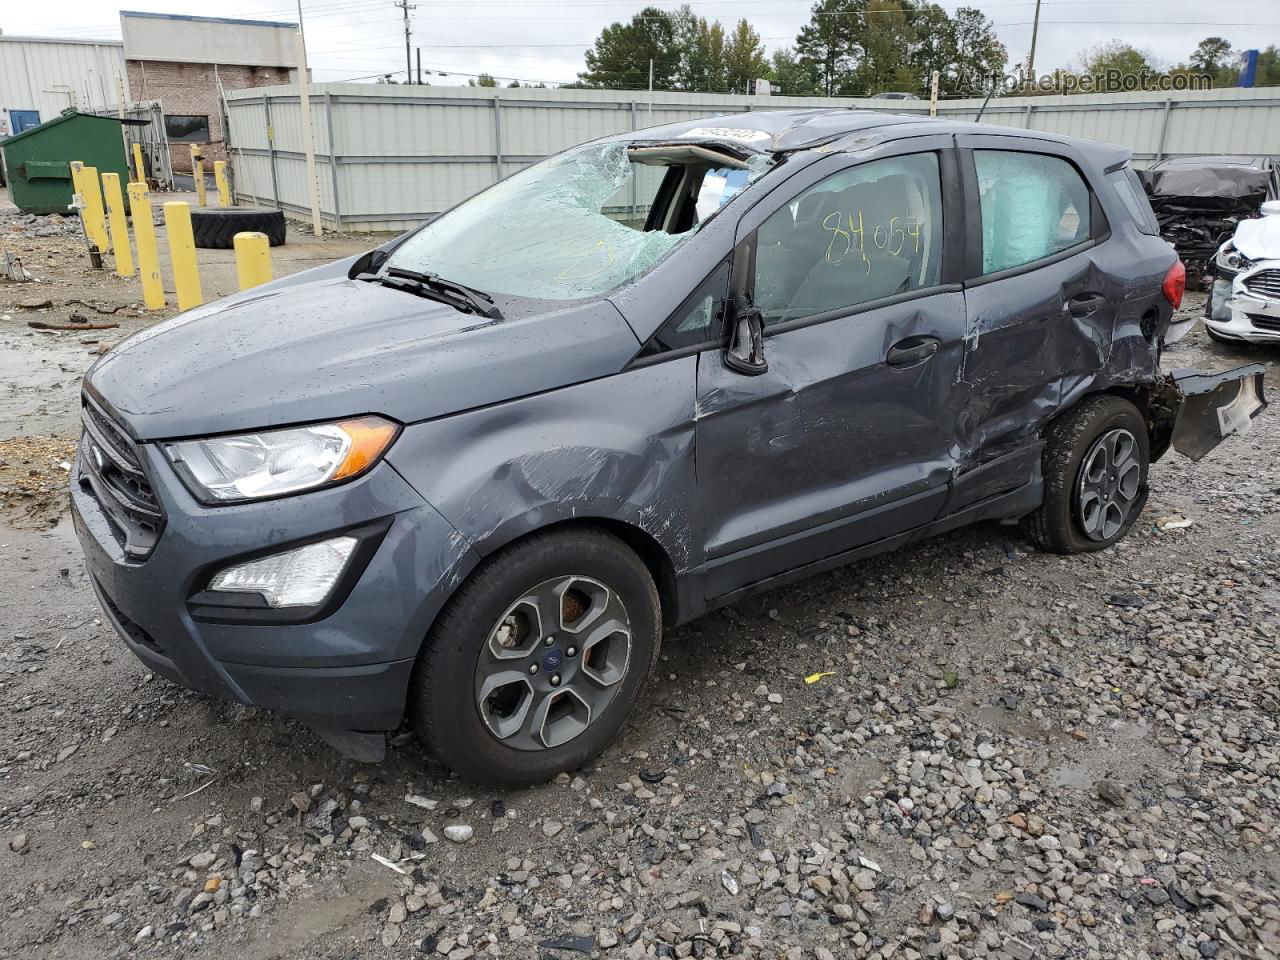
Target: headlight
x: 1231, y: 261
x: 301, y: 577
x: 253, y: 466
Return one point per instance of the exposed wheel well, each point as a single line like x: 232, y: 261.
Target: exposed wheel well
x: 1149, y: 398
x: 650, y: 552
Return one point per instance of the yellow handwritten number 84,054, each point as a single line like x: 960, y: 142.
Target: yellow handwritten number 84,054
x: 850, y: 237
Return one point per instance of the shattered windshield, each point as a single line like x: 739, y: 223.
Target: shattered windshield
x: 573, y: 226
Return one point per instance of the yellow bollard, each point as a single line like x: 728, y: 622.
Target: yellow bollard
x: 116, y: 221
x: 182, y: 253
x: 94, y: 208
x: 139, y: 170
x: 144, y: 232
x: 197, y: 173
x: 224, y: 186
x: 253, y: 259
x: 85, y: 180
x: 77, y: 203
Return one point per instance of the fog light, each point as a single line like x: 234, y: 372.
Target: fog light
x: 294, y: 578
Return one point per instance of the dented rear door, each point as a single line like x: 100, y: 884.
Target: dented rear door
x: 1041, y: 305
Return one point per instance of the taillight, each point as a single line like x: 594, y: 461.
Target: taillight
x: 1175, y: 284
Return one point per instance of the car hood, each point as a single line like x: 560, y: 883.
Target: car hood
x: 1259, y: 239
x: 336, y: 348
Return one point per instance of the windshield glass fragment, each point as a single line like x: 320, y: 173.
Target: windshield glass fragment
x: 578, y: 224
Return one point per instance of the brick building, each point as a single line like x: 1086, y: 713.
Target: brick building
x: 184, y: 62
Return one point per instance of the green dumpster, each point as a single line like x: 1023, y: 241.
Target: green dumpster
x: 38, y: 160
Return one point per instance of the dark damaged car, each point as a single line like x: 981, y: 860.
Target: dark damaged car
x: 469, y: 478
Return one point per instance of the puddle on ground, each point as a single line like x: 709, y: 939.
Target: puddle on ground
x: 1075, y: 776
x: 40, y: 381
x: 1009, y: 722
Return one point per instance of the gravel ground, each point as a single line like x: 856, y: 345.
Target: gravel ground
x: 1001, y: 753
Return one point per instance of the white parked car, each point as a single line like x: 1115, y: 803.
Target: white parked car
x: 1244, y: 304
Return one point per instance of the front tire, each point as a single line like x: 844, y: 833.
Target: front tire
x: 536, y: 661
x: 1095, y: 463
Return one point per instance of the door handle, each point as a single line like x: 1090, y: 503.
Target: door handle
x: 1083, y: 304
x: 911, y: 350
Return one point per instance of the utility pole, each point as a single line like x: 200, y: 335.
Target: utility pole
x: 651, y: 89
x: 308, y: 141
x: 406, y: 6
x: 418, y: 51
x: 1031, y: 58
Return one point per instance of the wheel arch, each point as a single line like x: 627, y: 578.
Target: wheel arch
x: 643, y: 544
x: 1149, y: 399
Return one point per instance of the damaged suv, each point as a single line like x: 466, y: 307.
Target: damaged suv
x: 471, y: 476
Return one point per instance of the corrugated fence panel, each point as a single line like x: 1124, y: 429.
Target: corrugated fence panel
x: 248, y: 123
x: 252, y: 177
x: 405, y: 154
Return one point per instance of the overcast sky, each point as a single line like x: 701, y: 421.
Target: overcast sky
x: 545, y: 39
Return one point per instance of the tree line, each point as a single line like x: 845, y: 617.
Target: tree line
x: 1213, y: 57
x: 848, y: 48
x: 858, y: 48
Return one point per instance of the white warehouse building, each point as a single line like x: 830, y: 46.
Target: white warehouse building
x: 42, y: 76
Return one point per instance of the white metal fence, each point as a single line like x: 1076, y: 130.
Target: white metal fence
x: 390, y: 157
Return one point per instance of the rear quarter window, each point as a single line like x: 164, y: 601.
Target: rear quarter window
x: 1129, y: 188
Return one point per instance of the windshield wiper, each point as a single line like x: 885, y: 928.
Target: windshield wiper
x: 461, y: 297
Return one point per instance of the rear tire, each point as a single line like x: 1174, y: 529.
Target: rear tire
x: 499, y: 742
x: 1088, y: 505
x: 215, y: 227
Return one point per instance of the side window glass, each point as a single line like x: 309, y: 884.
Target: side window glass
x: 868, y: 232
x: 698, y: 320
x: 1033, y: 206
x: 1134, y: 198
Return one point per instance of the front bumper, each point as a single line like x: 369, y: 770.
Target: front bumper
x: 347, y: 670
x: 1249, y: 318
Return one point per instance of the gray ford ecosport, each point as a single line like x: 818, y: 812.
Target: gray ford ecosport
x: 470, y: 476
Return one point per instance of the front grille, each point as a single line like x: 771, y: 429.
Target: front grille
x: 112, y: 470
x: 1263, y: 322
x: 1264, y: 283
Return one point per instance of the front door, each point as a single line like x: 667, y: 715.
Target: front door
x: 847, y: 438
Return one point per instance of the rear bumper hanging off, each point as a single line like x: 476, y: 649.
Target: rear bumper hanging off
x: 1194, y: 411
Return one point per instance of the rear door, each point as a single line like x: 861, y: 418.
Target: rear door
x: 1041, y: 305
x: 847, y: 438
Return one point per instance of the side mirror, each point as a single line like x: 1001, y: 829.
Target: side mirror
x: 745, y: 352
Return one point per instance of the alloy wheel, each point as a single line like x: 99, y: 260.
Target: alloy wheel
x: 552, y: 663
x: 1110, y: 477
